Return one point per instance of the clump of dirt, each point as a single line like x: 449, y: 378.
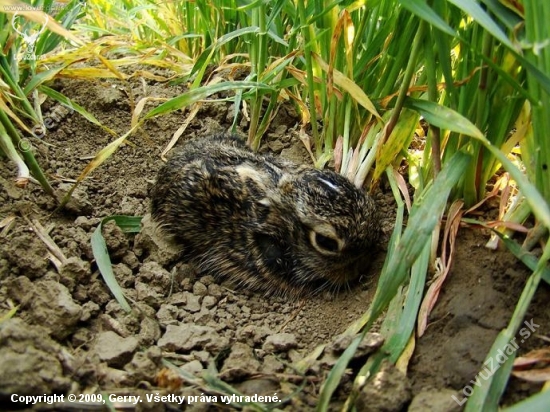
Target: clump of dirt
x: 70, y: 328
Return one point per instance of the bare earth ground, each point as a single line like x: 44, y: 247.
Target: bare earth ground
x: 70, y: 336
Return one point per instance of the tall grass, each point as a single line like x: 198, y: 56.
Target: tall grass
x: 25, y: 41
x: 536, y: 147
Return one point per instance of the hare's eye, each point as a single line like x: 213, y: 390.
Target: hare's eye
x: 326, y: 243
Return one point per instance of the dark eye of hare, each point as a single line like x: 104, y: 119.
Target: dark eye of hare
x: 326, y: 243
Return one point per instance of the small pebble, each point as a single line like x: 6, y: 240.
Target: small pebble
x: 199, y: 289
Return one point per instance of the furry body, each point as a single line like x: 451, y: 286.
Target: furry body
x: 262, y: 222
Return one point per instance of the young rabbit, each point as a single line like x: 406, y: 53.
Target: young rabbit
x: 262, y: 222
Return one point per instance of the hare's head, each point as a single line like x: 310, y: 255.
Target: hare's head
x: 335, y: 228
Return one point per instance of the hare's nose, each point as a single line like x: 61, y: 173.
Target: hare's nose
x: 361, y: 266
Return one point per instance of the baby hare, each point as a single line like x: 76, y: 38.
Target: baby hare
x: 264, y: 223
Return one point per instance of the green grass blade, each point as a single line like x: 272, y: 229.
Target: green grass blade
x: 11, y: 79
x: 399, y: 321
x: 421, y: 9
x: 67, y: 16
x: 535, y: 403
x: 206, y: 55
x: 97, y: 161
x: 537, y: 34
x: 335, y: 375
x: 65, y: 101
x: 474, y: 10
x: 443, y: 117
x: 200, y: 93
x: 398, y: 140
x: 396, y: 235
x: 28, y: 155
x: 8, y: 149
x: 128, y: 224
x: 39, y: 78
x: 8, y: 315
x: 504, y: 14
x: 425, y: 214
x: 402, y: 331
x: 527, y: 258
